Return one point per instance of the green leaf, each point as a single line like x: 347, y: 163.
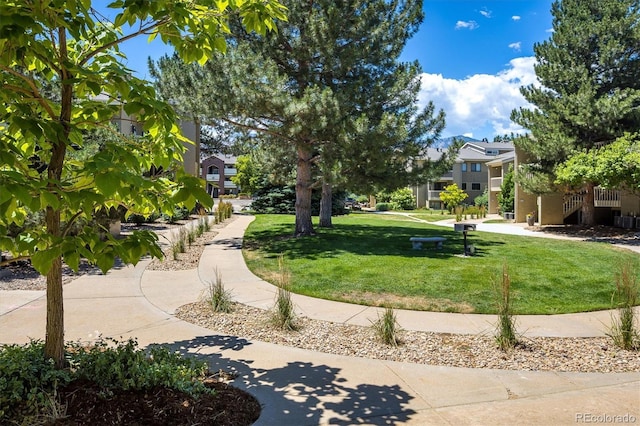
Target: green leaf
x: 47, y: 199
x: 105, y: 261
x: 42, y: 260
x: 106, y: 184
x: 73, y: 260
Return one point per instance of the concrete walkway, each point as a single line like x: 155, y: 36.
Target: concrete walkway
x: 300, y: 387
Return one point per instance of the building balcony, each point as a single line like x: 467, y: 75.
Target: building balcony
x: 212, y: 177
x: 496, y: 182
x: 230, y: 171
x: 229, y: 185
x: 433, y: 195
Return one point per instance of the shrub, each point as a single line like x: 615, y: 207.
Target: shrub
x: 200, y: 227
x: 452, y: 196
x: 113, y: 364
x: 506, y: 196
x: 28, y: 381
x: 179, y: 244
x: 506, y: 333
x: 472, y: 211
x: 458, y: 212
x: 362, y: 199
x: 192, y: 235
x: 179, y: 213
x: 383, y: 207
x: 225, y: 209
x: 386, y: 328
x: 274, y: 199
x: 482, y: 200
x: 218, y: 297
x: 383, y: 197
x: 624, y: 329
x: 403, y: 198
x: 283, y: 315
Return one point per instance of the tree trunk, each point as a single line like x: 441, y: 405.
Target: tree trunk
x: 54, y: 334
x: 54, y: 337
x: 326, y: 203
x: 304, y: 226
x: 588, y: 206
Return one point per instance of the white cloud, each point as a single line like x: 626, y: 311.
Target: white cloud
x: 470, y: 25
x: 486, y: 13
x: 480, y: 103
x: 515, y: 46
x: 515, y: 17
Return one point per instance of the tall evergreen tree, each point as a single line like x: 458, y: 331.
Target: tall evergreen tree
x: 589, y: 91
x: 327, y: 86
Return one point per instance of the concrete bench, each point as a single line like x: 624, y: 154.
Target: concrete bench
x: 417, y: 242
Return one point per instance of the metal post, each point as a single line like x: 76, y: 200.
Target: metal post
x: 466, y: 249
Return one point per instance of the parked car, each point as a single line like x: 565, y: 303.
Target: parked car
x: 352, y: 204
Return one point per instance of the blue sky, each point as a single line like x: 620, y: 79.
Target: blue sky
x: 474, y: 54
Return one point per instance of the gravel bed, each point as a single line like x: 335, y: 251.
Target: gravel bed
x: 455, y: 350
x: 22, y: 276
x: 588, y: 355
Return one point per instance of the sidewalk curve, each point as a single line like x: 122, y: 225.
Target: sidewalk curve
x: 300, y: 387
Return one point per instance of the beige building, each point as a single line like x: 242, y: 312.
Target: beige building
x: 130, y: 126
x: 613, y: 206
x: 469, y: 172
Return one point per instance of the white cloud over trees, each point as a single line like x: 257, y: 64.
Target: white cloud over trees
x: 480, y: 101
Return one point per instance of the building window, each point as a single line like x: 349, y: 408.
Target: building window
x: 438, y: 186
x: 464, y: 167
x: 464, y: 186
x: 476, y: 167
x: 475, y: 187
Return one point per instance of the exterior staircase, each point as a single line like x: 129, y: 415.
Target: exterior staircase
x: 602, y: 198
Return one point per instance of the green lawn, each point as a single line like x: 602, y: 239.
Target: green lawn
x: 368, y: 259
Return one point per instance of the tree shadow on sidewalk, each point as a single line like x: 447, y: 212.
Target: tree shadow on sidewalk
x: 301, y: 392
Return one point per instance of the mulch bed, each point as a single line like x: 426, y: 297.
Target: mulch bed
x: 88, y: 404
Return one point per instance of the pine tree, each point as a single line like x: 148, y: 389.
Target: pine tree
x: 589, y: 91
x: 328, y: 87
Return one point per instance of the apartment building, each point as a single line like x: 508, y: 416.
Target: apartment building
x: 469, y: 172
x: 217, y: 171
x: 616, y: 207
x: 497, y: 169
x: 130, y: 126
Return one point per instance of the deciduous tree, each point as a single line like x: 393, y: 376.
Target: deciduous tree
x: 72, y: 47
x: 616, y: 165
x: 589, y: 91
x: 452, y: 196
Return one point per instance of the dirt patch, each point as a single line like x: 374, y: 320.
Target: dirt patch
x: 417, y: 303
x: 602, y: 233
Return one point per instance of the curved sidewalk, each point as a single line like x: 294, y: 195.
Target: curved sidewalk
x: 251, y: 290
x: 300, y: 387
